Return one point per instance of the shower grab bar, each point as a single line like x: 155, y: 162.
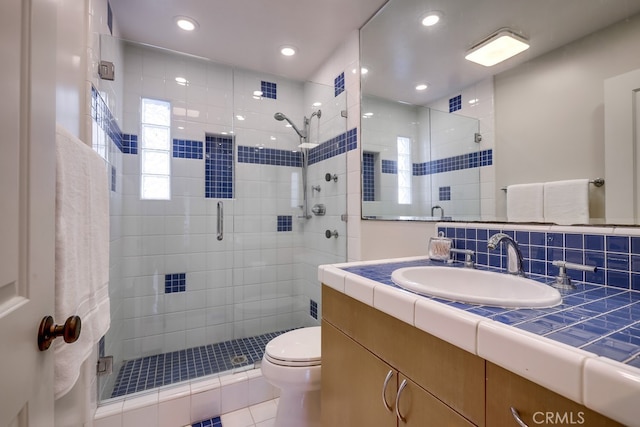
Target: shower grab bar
x: 220, y: 221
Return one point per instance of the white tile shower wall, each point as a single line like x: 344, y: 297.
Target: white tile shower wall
x: 246, y: 284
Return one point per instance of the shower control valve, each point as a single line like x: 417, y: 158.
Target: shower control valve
x: 329, y: 234
x: 328, y: 177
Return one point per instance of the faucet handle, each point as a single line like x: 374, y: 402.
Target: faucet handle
x: 468, y: 256
x: 563, y: 281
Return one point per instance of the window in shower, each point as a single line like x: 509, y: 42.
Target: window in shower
x: 405, y: 170
x: 155, y: 150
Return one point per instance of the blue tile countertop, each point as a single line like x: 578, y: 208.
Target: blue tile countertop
x: 602, y: 320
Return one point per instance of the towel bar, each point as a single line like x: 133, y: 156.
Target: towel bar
x: 598, y: 182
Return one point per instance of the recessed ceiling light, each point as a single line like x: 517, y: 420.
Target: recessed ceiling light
x: 363, y: 71
x: 316, y: 104
x: 186, y: 23
x: 182, y: 81
x: 239, y: 117
x: 500, y: 46
x: 367, y: 115
x: 431, y: 19
x: 288, y: 50
x: 421, y: 86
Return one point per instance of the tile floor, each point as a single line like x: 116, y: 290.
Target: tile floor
x: 260, y: 415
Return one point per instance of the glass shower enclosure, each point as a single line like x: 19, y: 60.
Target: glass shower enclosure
x: 202, y: 280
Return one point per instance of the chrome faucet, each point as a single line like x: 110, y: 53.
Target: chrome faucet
x: 514, y: 256
x: 438, y: 207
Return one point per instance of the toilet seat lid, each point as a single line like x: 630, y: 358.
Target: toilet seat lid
x: 300, y: 347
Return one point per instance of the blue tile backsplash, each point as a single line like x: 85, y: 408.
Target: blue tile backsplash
x: 444, y: 193
x: 313, y: 309
x: 389, y: 166
x: 285, y: 223
x: 464, y: 161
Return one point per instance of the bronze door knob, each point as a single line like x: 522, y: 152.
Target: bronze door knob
x: 49, y: 331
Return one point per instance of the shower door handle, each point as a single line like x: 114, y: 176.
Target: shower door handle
x: 220, y: 221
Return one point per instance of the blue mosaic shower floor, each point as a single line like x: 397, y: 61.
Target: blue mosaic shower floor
x: 213, y: 422
x: 168, y: 368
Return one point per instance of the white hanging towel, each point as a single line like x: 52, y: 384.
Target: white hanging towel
x: 82, y: 253
x: 525, y: 202
x: 567, y: 202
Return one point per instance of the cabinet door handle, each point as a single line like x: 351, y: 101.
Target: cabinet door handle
x: 398, y: 414
x: 516, y: 416
x: 384, y: 389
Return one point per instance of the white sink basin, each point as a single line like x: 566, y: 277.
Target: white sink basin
x: 477, y: 287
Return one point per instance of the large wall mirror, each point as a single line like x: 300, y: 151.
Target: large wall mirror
x: 447, y: 138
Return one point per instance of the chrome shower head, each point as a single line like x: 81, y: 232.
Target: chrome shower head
x: 280, y: 117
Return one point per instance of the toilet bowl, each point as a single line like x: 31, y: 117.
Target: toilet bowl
x: 291, y: 362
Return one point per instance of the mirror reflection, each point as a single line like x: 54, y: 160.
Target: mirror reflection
x: 557, y: 114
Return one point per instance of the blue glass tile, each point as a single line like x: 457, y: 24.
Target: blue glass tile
x: 338, y: 84
x: 389, y: 166
x: 619, y: 279
x: 594, y: 242
x: 580, y: 334
x: 618, y: 261
x: 574, y: 241
x: 635, y: 282
x: 368, y: 177
x: 537, y: 238
x: 635, y: 245
x: 635, y: 361
x: 618, y: 244
x: 444, y: 194
x: 186, y: 149
x: 285, y: 223
x: 313, y: 309
x: 269, y: 90
x: 555, y: 240
x: 455, y: 103
x: 219, y: 167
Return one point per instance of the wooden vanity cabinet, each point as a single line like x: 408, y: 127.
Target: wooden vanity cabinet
x: 535, y: 404
x: 360, y: 345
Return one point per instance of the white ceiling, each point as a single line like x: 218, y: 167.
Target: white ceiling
x: 396, y: 49
x: 400, y: 53
x: 247, y: 33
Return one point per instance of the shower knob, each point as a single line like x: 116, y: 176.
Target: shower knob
x: 329, y: 234
x: 328, y: 177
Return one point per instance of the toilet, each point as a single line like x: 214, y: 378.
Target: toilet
x: 291, y: 362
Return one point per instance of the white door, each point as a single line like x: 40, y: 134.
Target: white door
x: 27, y: 202
x: 622, y: 148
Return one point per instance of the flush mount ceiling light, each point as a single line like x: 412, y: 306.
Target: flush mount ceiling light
x: 288, y: 50
x: 431, y: 18
x: 421, y: 86
x: 501, y: 45
x: 186, y: 23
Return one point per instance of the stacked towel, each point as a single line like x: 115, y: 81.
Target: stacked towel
x: 567, y: 202
x: 82, y: 253
x: 525, y: 203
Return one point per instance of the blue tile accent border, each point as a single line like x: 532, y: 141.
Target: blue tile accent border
x: 102, y: 115
x: 269, y: 156
x: 338, y: 84
x: 390, y: 166
x: 269, y: 89
x: 313, y: 309
x: 186, y: 149
x: 163, y: 369
x: 368, y: 177
x: 455, y: 103
x: 464, y: 161
x: 285, y: 223
x: 175, y: 283
x: 218, y: 172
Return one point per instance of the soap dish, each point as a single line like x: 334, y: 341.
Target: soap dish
x: 440, y: 247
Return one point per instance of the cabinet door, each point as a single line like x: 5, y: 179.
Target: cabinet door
x: 535, y: 404
x: 420, y: 408
x: 352, y: 383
